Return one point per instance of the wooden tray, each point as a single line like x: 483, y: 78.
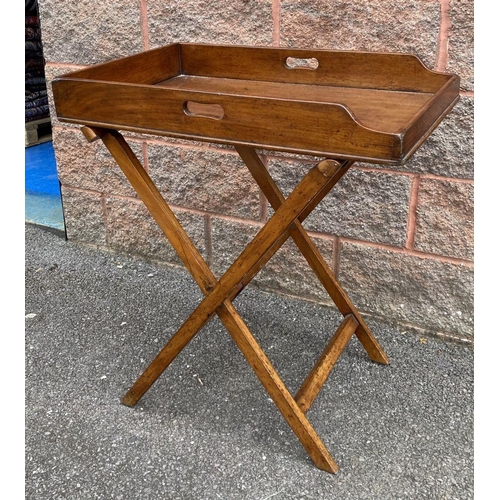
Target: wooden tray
x: 368, y: 106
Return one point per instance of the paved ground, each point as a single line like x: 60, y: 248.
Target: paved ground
x: 207, y: 429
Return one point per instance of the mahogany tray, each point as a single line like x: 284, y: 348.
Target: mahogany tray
x: 368, y: 106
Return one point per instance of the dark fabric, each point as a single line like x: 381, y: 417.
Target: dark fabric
x: 31, y: 114
x: 36, y: 105
x: 38, y: 87
x: 33, y: 73
x: 35, y: 46
x: 31, y: 21
x: 35, y: 81
x: 32, y: 33
x: 28, y: 95
x: 35, y: 64
x: 30, y: 6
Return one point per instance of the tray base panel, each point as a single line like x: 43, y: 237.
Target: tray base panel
x: 370, y: 107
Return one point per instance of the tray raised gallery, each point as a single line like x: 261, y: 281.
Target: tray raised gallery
x: 368, y: 106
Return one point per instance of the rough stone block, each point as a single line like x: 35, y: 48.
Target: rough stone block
x: 239, y: 22
x: 229, y: 238
x: 380, y: 25
x: 206, y: 180
x: 84, y: 216
x: 430, y: 294
x: 449, y: 150
x: 286, y: 272
x: 366, y: 205
x: 461, y: 42
x: 88, y: 32
x: 445, y: 218
x: 89, y: 166
x: 132, y: 229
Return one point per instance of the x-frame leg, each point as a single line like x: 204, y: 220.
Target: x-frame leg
x: 312, y: 255
x: 353, y: 322
x: 219, y: 294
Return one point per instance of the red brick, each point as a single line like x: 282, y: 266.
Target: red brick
x: 286, y: 272
x: 364, y: 205
x: 449, y: 150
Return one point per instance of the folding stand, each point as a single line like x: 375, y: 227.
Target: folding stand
x: 219, y: 295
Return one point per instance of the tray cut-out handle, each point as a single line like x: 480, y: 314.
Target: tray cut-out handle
x: 203, y: 110
x: 301, y: 63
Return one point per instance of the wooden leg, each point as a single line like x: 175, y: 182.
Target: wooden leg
x: 312, y: 255
x: 248, y: 260
x: 318, y: 375
x: 207, y: 282
x: 278, y: 391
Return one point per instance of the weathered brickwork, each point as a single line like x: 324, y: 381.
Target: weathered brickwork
x: 213, y: 181
x: 239, y: 22
x: 84, y: 216
x: 400, y: 238
x: 378, y: 25
x: 449, y: 150
x: 461, y: 44
x: 445, y: 218
x: 286, y: 272
x: 88, y: 32
x: 366, y: 205
x: 90, y: 166
x: 132, y: 229
x: 430, y: 294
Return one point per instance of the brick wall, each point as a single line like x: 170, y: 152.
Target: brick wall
x: 400, y: 239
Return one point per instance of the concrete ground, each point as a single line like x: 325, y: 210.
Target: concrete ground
x: 207, y: 429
